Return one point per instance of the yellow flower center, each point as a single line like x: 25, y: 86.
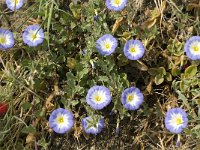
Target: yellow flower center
x: 98, y: 98
x: 117, y: 2
x: 196, y: 48
x: 130, y: 98
x: 132, y: 49
x: 107, y: 46
x: 179, y: 121
x: 2, y: 40
x: 15, y: 1
x: 33, y: 36
x: 60, y: 119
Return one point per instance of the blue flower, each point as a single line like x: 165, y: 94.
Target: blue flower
x: 116, y: 5
x: 132, y: 98
x: 98, y: 97
x: 96, y: 18
x: 93, y: 125
x: 33, y: 35
x: 134, y: 49
x: 6, y: 39
x: 192, y: 48
x: 106, y: 44
x: 61, y: 120
x: 176, y: 120
x: 14, y: 4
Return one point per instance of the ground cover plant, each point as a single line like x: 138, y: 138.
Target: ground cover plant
x: 99, y: 74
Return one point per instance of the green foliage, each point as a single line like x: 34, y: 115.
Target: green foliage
x: 69, y: 61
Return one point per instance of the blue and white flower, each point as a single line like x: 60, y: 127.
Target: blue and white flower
x: 33, y: 35
x: 176, y: 120
x: 106, y: 44
x: 192, y: 48
x: 93, y: 124
x: 116, y: 5
x: 98, y: 97
x: 132, y: 98
x: 6, y: 39
x: 61, y: 120
x: 14, y: 4
x: 134, y: 49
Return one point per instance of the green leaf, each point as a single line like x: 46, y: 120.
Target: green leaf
x: 191, y: 71
x: 168, y: 76
x: 29, y: 129
x: 183, y: 86
x: 75, y: 102
x: 43, y: 143
x: 159, y: 79
x: 82, y: 73
x: 184, y: 99
x: 103, y: 78
x: 70, y: 79
x: 153, y: 71
x: 26, y: 105
x: 175, y: 72
x: 162, y: 71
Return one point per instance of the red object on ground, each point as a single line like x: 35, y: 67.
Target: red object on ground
x: 3, y: 108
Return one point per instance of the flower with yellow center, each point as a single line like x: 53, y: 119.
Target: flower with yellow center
x: 14, y: 4
x: 33, y: 35
x: 106, y: 44
x: 176, y: 120
x: 61, y: 120
x: 98, y: 97
x: 116, y: 5
x: 6, y: 39
x: 192, y: 48
x: 134, y: 49
x: 132, y: 98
